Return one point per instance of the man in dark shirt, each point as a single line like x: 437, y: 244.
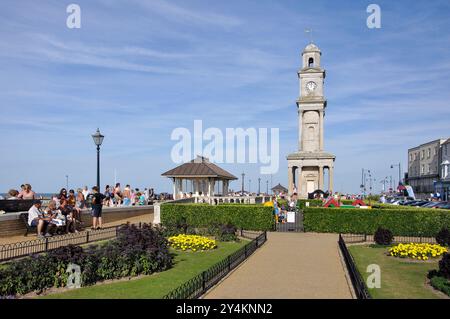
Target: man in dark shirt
x: 97, y: 206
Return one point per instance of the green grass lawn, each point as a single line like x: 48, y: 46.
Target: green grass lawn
x: 400, y: 279
x: 186, y: 266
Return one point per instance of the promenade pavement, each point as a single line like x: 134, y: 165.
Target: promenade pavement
x: 289, y: 266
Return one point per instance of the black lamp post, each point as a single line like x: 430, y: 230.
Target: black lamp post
x: 98, y: 140
x: 399, y: 171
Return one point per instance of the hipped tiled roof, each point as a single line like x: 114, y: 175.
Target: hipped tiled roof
x: 280, y: 187
x: 200, y: 167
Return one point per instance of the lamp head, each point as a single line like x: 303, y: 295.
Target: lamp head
x: 98, y: 138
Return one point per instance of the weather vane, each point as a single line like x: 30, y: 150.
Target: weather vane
x: 310, y: 31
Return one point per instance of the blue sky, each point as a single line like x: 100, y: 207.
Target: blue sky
x: 138, y: 69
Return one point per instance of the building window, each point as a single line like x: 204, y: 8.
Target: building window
x: 311, y: 63
x: 423, y: 154
x: 410, y: 157
x: 429, y: 153
x: 423, y: 169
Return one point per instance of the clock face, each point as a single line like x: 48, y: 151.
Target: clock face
x: 311, y: 86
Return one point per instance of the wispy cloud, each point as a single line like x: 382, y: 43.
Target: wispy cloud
x: 181, y: 14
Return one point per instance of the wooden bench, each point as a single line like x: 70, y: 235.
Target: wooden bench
x: 24, y: 218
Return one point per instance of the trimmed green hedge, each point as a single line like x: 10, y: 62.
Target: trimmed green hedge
x: 248, y: 217
x: 402, y: 222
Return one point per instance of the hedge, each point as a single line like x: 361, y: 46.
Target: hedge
x: 401, y: 222
x: 248, y: 217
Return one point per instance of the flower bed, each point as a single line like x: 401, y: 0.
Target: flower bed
x: 136, y: 251
x: 192, y: 242
x: 417, y: 251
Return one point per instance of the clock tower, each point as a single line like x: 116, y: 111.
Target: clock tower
x: 308, y: 165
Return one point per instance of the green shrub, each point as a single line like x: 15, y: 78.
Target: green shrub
x: 227, y: 233
x: 444, y: 266
x: 441, y: 283
x: 248, y: 217
x: 383, y: 236
x: 401, y: 222
x: 443, y: 237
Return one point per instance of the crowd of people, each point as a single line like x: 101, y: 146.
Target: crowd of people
x: 63, y: 212
x: 282, y: 205
x: 25, y: 192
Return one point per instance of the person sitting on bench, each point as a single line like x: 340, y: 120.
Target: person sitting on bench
x: 36, y: 219
x: 67, y: 212
x: 57, y: 219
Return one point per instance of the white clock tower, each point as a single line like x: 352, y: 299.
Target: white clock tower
x: 307, y: 166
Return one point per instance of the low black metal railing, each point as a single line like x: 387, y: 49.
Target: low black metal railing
x: 357, y: 281
x: 367, y: 238
x: 201, y: 283
x: 26, y: 248
x: 356, y: 278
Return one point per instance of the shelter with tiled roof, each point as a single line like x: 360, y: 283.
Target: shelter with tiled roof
x: 202, y: 176
x: 279, y: 189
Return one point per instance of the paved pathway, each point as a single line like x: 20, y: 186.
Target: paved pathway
x: 291, y: 266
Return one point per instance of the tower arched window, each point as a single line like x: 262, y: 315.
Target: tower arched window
x: 311, y: 63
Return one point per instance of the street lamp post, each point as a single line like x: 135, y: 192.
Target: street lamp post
x: 363, y: 180
x: 243, y: 176
x: 98, y: 140
x: 267, y: 187
x: 249, y: 186
x: 259, y: 185
x: 399, y: 171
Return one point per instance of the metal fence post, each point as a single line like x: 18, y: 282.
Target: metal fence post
x: 46, y: 243
x: 229, y: 263
x: 204, y: 281
x: 87, y: 237
x: 365, y: 237
x: 245, y: 247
